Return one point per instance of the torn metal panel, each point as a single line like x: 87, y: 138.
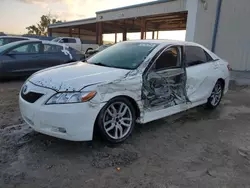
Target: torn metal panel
x: 165, y: 89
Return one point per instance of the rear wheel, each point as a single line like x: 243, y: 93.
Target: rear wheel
x: 216, y: 95
x: 116, y: 120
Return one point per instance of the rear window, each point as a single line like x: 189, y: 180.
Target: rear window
x: 51, y: 48
x: 68, y: 40
x: 195, y: 55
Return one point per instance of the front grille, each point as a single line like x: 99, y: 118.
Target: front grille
x: 31, y: 97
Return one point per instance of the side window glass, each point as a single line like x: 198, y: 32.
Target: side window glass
x: 50, y: 48
x: 209, y: 58
x: 195, y: 56
x: 2, y: 41
x: 26, y: 49
x: 64, y: 40
x: 170, y: 58
x: 71, y: 40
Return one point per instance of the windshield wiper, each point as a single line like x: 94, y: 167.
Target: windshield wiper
x: 101, y: 64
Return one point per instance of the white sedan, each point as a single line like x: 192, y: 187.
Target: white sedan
x: 128, y: 83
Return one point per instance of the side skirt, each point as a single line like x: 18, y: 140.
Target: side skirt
x: 158, y: 114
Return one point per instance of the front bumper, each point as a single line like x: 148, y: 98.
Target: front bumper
x: 73, y: 122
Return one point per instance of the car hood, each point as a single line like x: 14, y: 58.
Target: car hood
x: 75, y: 76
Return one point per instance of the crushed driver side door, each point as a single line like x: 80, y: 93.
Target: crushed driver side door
x: 164, y: 83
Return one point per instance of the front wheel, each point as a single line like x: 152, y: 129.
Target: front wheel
x: 116, y: 120
x: 216, y: 95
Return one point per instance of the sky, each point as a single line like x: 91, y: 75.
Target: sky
x: 16, y: 15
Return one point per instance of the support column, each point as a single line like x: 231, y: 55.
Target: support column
x: 153, y: 35
x: 49, y: 32
x: 70, y: 32
x: 157, y: 35
x: 192, y: 7
x: 79, y: 32
x: 143, y: 28
x: 99, y: 31
x: 124, y: 35
x: 115, y: 37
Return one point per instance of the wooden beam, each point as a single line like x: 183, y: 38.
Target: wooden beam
x: 143, y: 28
x: 97, y: 33
x: 49, y: 32
x: 70, y: 32
x: 124, y: 35
x: 79, y: 32
x: 100, y: 32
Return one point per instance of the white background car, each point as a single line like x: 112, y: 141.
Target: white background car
x: 134, y: 81
x: 76, y: 43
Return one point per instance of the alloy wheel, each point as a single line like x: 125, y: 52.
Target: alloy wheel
x: 216, y: 94
x: 117, y: 120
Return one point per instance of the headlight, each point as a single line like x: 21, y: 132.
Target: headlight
x: 71, y: 97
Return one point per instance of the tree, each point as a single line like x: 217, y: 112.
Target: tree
x: 41, y: 27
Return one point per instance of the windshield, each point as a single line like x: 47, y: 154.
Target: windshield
x: 125, y: 55
x: 56, y: 39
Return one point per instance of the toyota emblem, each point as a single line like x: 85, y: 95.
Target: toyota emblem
x: 25, y: 89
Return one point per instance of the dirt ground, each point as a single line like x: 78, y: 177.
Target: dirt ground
x: 198, y: 148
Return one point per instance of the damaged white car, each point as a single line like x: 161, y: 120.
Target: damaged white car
x: 128, y: 83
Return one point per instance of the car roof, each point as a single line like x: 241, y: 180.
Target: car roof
x: 165, y: 41
x: 36, y: 40
x: 18, y: 37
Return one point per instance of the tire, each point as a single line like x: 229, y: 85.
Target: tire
x: 216, y: 95
x: 113, y: 126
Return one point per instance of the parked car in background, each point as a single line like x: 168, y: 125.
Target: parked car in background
x: 129, y: 82
x: 26, y: 57
x: 76, y: 43
x: 9, y: 39
x: 99, y: 49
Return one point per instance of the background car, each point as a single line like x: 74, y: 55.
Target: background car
x: 99, y: 49
x: 9, y: 39
x: 77, y: 43
x: 26, y: 57
x: 128, y: 83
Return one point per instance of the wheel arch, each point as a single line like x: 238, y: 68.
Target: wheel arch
x: 222, y: 81
x: 130, y: 99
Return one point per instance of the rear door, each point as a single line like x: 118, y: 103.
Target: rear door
x: 71, y: 42
x: 53, y: 55
x: 200, y: 73
x: 23, y: 59
x: 164, y: 82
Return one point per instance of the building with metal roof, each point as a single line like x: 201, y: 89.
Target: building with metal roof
x: 220, y: 25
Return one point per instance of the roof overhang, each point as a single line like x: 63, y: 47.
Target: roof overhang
x: 73, y: 23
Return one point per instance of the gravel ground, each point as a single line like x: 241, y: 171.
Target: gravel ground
x: 198, y: 148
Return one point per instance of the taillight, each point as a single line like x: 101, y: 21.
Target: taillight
x: 228, y: 67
